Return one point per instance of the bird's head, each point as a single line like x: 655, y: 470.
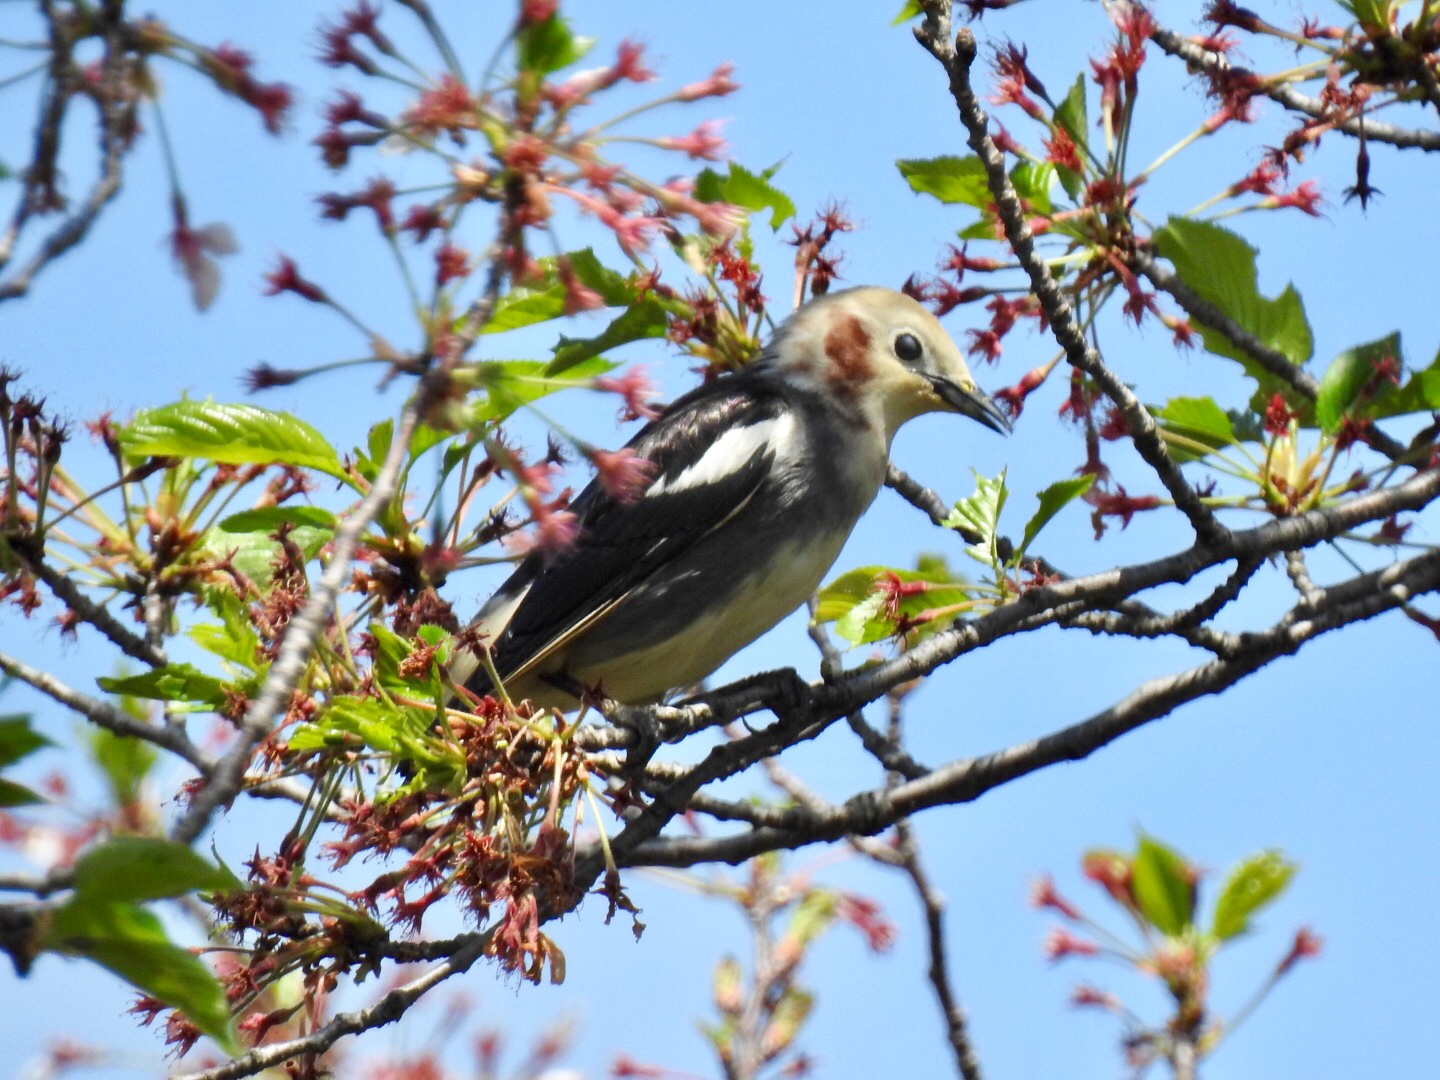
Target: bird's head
x: 881, y: 358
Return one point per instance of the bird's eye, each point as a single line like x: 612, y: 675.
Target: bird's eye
x: 908, y: 348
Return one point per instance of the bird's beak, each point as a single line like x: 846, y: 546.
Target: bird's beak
x: 971, y: 401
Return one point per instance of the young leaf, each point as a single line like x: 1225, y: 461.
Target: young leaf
x: 247, y: 537
x: 1070, y: 114
x: 744, y: 189
x: 230, y: 434
x: 980, y: 515
x: 1220, y: 266
x: 1052, y: 500
x: 548, y: 45
x: 1251, y: 885
x: 1163, y: 887
x: 234, y: 638
x: 910, y: 10
x: 124, y: 760
x: 173, y: 682
x: 1032, y: 182
x: 139, y: 868
x: 1191, y: 420
x: 18, y: 740
x: 949, y: 179
x: 526, y: 305
x: 129, y: 941
x: 511, y: 384
x: 642, y: 319
x: 1347, y: 375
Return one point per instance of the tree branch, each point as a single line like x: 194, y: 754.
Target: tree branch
x: 957, y: 60
x: 1197, y: 56
x: 388, y: 1009
x: 301, y: 634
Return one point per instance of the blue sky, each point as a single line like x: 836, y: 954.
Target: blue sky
x: 1328, y: 756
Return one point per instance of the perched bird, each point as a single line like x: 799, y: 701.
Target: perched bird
x: 755, y: 482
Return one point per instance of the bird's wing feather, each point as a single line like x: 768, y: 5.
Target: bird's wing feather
x: 711, y: 451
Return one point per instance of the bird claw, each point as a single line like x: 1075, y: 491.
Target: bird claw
x: 640, y: 722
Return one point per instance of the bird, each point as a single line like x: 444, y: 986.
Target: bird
x: 754, y: 482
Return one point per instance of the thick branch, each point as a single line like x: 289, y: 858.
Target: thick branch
x: 964, y: 781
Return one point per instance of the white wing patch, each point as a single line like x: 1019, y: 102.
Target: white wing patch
x: 730, y: 453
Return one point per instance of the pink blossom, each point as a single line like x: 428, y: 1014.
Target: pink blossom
x: 702, y: 144
x: 717, y: 85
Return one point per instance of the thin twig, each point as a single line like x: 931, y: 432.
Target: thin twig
x: 106, y: 716
x: 388, y: 1009
x: 957, y: 59
x: 301, y: 634
x: 1200, y: 57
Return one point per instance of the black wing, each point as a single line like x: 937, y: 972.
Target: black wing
x: 621, y: 544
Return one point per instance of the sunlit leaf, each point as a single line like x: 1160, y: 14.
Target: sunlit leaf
x: 745, y: 189
x: 130, y: 942
x: 138, y: 868
x: 173, y: 682
x: 1250, y: 886
x: 643, y: 319
x: 1192, y: 420
x: 1220, y: 266
x: 1052, y: 500
x: 548, y: 45
x: 1163, y: 887
x: 979, y: 515
x: 949, y: 179
x: 1347, y: 375
x: 228, y: 433
x: 247, y: 538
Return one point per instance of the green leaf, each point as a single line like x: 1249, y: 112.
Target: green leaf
x: 811, y: 917
x: 1250, y: 886
x: 1375, y: 16
x: 549, y: 45
x: 526, y: 305
x: 1421, y: 392
x: 234, y: 638
x: 1052, y: 500
x: 643, y: 319
x: 510, y: 384
x: 744, y: 189
x: 246, y: 537
x: 1220, y: 266
x: 230, y: 434
x: 979, y: 516
x: 1032, y: 181
x: 865, y: 622
x: 137, y: 868
x: 1347, y: 375
x: 1163, y: 887
x: 911, y: 10
x: 1192, y: 420
x: 129, y: 941
x: 13, y: 794
x: 18, y: 740
x: 124, y: 760
x: 949, y: 179
x: 857, y: 601
x: 173, y: 682
x: 1070, y: 115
